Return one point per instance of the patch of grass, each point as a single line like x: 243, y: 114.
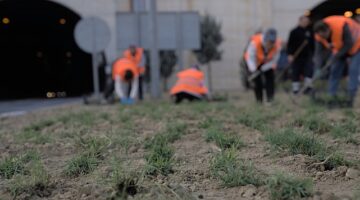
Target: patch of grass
x: 125, y: 182
x: 295, y: 142
x: 86, y: 118
x: 160, y: 159
x: 81, y: 165
x: 16, y: 164
x: 224, y: 141
x: 39, y: 125
x: 36, y: 183
x: 312, y: 122
x: 345, y: 129
x: 234, y: 172
x: 93, y: 145
x: 287, y: 188
x: 301, y: 143
x: 173, y: 132
x: 208, y: 122
x: 33, y: 136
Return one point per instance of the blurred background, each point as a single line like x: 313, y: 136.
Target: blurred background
x: 40, y: 59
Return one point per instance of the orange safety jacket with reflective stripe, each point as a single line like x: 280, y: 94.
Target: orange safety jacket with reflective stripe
x: 261, y: 58
x: 136, y: 59
x: 190, y: 81
x: 122, y: 65
x: 336, y: 24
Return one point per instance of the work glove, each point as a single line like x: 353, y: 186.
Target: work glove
x: 123, y: 101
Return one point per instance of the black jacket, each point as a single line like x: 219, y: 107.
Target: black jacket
x: 297, y: 37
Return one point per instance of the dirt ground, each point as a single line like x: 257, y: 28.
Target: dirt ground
x: 57, y: 135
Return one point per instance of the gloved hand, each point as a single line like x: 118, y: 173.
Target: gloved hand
x: 317, y: 73
x: 130, y: 101
x: 123, y: 101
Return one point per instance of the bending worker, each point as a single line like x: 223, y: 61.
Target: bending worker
x: 300, y: 54
x: 262, y: 55
x: 136, y: 54
x: 125, y: 72
x: 342, y: 36
x: 190, y: 86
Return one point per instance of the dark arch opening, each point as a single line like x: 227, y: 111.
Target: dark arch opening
x: 334, y: 7
x: 38, y: 53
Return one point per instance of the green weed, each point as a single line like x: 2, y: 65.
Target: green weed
x: 33, y: 136
x: 81, y: 165
x: 173, y: 132
x: 345, y: 129
x: 125, y: 182
x: 224, y: 141
x: 93, y: 145
x: 233, y: 171
x: 36, y: 183
x: 16, y: 164
x: 160, y: 160
x: 287, y: 188
x: 312, y: 122
x: 39, y: 125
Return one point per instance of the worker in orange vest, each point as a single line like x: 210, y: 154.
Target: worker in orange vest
x: 136, y: 54
x: 190, y: 85
x: 341, y: 35
x: 262, y: 54
x: 126, y: 72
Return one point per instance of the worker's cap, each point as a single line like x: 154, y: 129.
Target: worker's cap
x: 270, y: 35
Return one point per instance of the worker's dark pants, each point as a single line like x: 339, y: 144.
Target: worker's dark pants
x: 179, y: 97
x: 141, y: 91
x: 268, y: 84
x: 302, y: 67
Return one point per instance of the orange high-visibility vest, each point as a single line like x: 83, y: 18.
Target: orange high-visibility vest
x: 136, y: 59
x: 122, y: 65
x: 260, y: 54
x: 336, y: 25
x: 190, y: 81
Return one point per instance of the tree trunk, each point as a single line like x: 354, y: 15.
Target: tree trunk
x: 210, y: 77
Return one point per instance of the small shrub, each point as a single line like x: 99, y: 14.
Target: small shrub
x: 16, y: 164
x: 36, y: 183
x: 287, y: 188
x: 233, y: 171
x: 224, y: 141
x: 81, y: 165
x: 159, y: 160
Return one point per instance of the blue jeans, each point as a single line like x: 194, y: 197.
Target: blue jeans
x: 336, y: 73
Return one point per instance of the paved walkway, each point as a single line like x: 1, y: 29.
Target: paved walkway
x: 20, y: 107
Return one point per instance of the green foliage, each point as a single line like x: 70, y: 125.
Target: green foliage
x: 224, y: 141
x: 295, y: 143
x: 81, y: 165
x: 254, y: 118
x: 173, y: 132
x: 16, y: 164
x: 287, y: 188
x: 33, y: 136
x: 36, y: 183
x: 234, y: 172
x: 93, y: 146
x: 211, y: 39
x: 39, y: 126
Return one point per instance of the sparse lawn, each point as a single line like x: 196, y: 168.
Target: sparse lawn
x: 156, y: 150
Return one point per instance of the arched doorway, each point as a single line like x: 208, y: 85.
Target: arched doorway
x: 38, y: 53
x: 334, y: 7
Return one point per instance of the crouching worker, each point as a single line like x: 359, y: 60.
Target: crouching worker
x: 125, y: 72
x: 190, y: 86
x: 261, y: 57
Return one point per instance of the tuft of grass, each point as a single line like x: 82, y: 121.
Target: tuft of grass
x: 313, y: 122
x: 224, y: 141
x: 36, y: 183
x: 159, y: 160
x: 33, y: 136
x: 234, y: 172
x: 173, y: 132
x: 254, y: 119
x: 40, y: 125
x: 295, y: 143
x: 208, y: 122
x: 16, y: 164
x: 287, y: 188
x: 345, y: 129
x: 81, y: 165
x: 125, y: 182
x: 83, y: 118
x: 93, y: 146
